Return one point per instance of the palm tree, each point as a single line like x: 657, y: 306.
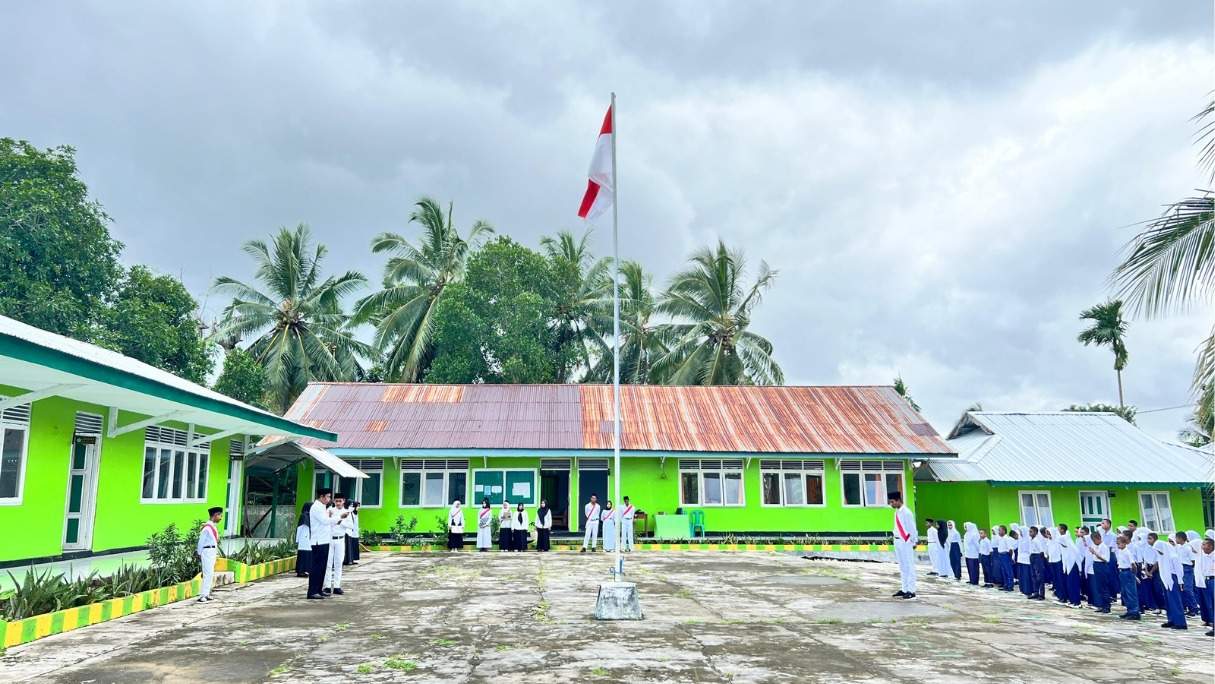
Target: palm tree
x: 1108, y: 330
x: 580, y: 304
x: 1170, y: 266
x: 709, y: 343
x: 415, y: 279
x: 301, y: 332
x: 642, y: 341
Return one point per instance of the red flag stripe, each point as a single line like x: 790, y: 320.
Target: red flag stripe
x: 607, y: 123
x: 588, y: 200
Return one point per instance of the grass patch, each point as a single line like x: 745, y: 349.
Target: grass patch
x: 445, y: 643
x: 540, y: 612
x: 377, y: 636
x: 279, y: 669
x: 502, y: 648
x: 365, y: 668
x: 342, y: 626
x: 398, y: 663
x: 683, y: 593
x: 991, y: 620
x: 828, y: 621
x: 600, y: 672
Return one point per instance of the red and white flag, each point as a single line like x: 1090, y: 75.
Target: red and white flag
x: 599, y: 191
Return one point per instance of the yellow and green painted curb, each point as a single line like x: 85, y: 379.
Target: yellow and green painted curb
x: 242, y: 573
x: 676, y: 546
x: 31, y: 628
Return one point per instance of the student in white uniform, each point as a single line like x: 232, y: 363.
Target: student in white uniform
x: 455, y: 527
x: 905, y: 539
x: 592, y: 511
x: 1170, y: 574
x: 519, y: 523
x: 934, y: 547
x: 207, y: 550
x: 1070, y: 568
x: 544, y: 526
x: 1189, y: 558
x: 303, y: 546
x: 319, y: 533
x: 608, y: 518
x: 986, y: 560
x: 506, y: 536
x: 1098, y: 558
x: 485, y: 521
x: 352, y: 536
x: 1206, y: 570
x: 339, y: 517
x: 627, y: 514
x: 1054, y: 562
x: 1024, y: 560
x: 1126, y: 580
x: 970, y: 551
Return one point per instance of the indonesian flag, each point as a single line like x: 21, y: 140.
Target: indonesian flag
x: 599, y: 192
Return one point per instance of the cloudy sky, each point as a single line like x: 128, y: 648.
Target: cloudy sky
x: 943, y: 186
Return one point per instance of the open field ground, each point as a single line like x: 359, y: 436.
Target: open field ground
x: 710, y: 616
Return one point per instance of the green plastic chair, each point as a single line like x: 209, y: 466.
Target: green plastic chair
x: 696, y: 521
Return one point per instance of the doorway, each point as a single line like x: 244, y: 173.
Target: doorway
x: 590, y: 482
x: 82, y: 475
x: 1094, y: 506
x: 555, y: 489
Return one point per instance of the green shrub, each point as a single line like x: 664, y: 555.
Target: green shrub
x: 173, y: 555
x: 253, y: 554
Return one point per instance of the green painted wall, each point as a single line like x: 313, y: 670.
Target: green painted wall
x: 120, y: 519
x: 653, y: 487
x: 988, y: 505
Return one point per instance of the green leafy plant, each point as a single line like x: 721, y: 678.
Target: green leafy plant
x: 172, y: 554
x: 399, y: 663
x: 401, y: 529
x: 253, y: 554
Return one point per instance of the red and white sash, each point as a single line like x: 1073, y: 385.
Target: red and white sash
x: 899, y: 524
x: 627, y: 511
x: 594, y: 514
x: 211, y: 526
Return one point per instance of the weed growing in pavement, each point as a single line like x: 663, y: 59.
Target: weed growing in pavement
x: 365, y: 668
x: 399, y: 663
x: 501, y: 648
x: 377, y: 636
x: 599, y: 672
x: 540, y: 612
x: 445, y: 643
x: 279, y: 669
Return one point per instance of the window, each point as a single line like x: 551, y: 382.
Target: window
x: 173, y: 472
x: 706, y: 482
x: 14, y: 442
x: 367, y: 491
x: 1157, y: 511
x: 869, y: 483
x: 433, y: 483
x: 792, y: 483
x: 1035, y: 509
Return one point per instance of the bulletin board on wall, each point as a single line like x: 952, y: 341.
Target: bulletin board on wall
x: 517, y: 486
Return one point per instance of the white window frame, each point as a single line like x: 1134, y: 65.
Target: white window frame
x: 357, y: 495
x: 861, y: 468
x: 1105, y: 496
x: 799, y: 468
x: 1050, y: 505
x: 1152, y: 524
x: 11, y: 419
x: 177, y: 440
x: 430, y: 466
x: 719, y: 467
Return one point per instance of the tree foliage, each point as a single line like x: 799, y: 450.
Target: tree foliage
x: 1108, y: 329
x: 153, y: 318
x: 58, y: 262
x: 300, y: 331
x: 900, y: 388
x: 1126, y: 413
x: 242, y: 378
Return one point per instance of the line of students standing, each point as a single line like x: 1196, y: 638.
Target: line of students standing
x: 1134, y: 565
x: 514, y: 524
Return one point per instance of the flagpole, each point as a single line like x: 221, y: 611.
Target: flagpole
x: 618, y: 563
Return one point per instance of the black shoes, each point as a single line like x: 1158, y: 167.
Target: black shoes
x: 338, y: 591
x: 899, y: 594
x: 907, y: 596
x: 1128, y: 616
x: 316, y: 596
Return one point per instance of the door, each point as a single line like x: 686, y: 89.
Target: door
x: 555, y: 489
x: 1094, y: 507
x: 82, y: 469
x: 590, y: 482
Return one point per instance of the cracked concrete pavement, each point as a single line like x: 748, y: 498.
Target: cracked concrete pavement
x: 710, y: 616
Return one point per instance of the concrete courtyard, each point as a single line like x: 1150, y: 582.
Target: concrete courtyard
x: 710, y: 616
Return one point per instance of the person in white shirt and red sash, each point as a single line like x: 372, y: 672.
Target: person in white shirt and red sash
x: 208, y: 549
x: 626, y: 521
x: 485, y: 519
x: 593, y: 513
x: 905, y: 539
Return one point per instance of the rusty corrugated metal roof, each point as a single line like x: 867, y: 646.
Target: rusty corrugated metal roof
x: 824, y: 419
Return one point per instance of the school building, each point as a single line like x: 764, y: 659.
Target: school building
x: 1063, y: 467
x: 789, y: 460
x: 98, y: 450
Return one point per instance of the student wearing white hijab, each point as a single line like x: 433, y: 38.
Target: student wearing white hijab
x: 1069, y: 567
x: 1054, y: 563
x: 485, y: 521
x: 1189, y: 557
x: 518, y: 524
x: 1170, y: 575
x: 608, y: 521
x: 455, y: 527
x: 970, y: 551
x: 1152, y: 568
x: 1143, y: 583
x: 934, y: 547
x: 506, y: 537
x: 953, y: 544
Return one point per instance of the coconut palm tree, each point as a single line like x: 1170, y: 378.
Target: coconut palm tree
x: 1170, y: 265
x: 587, y: 284
x: 642, y: 340
x: 1108, y: 330
x: 415, y: 279
x: 300, y: 331
x: 708, y: 342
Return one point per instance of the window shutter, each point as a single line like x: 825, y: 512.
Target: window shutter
x: 88, y: 424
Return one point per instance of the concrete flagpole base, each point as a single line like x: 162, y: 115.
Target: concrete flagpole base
x: 618, y: 601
